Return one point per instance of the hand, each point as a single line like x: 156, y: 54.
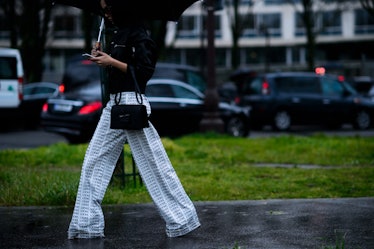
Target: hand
x: 102, y: 59
x: 94, y: 52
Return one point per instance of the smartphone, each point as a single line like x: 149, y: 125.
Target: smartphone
x: 88, y: 55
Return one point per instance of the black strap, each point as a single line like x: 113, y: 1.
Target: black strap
x: 138, y: 93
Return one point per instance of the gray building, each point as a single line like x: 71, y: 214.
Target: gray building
x: 272, y: 39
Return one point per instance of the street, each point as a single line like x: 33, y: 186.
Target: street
x: 24, y: 139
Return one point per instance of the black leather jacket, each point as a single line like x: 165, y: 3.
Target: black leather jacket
x: 133, y: 46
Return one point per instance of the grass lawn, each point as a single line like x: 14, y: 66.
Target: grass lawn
x: 211, y: 167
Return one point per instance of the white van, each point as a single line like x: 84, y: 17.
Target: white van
x: 11, y: 78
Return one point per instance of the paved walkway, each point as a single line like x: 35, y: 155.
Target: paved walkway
x: 270, y: 224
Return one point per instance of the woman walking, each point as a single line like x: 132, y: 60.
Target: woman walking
x: 130, y: 46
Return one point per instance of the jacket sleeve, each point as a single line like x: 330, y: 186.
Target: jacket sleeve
x: 144, y: 59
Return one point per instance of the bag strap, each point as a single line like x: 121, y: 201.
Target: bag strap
x: 138, y: 93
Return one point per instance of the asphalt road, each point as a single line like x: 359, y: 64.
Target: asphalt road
x: 254, y: 224
x: 24, y: 139
x: 247, y: 224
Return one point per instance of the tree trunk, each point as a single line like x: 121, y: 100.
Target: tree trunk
x: 87, y: 27
x: 33, y: 35
x: 9, y: 10
x: 368, y: 5
x: 311, y: 37
x: 236, y: 32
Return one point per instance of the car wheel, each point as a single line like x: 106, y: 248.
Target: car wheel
x: 237, y: 127
x: 282, y: 121
x: 362, y: 120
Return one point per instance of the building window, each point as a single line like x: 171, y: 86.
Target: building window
x: 192, y: 59
x: 330, y: 23
x: 325, y: 23
x: 268, y: 2
x: 67, y: 26
x: 221, y: 57
x: 263, y: 55
x: 4, y: 28
x: 299, y: 23
x: 262, y: 25
x: 217, y: 26
x: 191, y: 27
x: 364, y: 23
x: 188, y: 27
x: 246, y: 2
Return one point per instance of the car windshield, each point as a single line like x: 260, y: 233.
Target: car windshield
x: 92, y: 89
x: 190, y: 76
x: 170, y: 91
x: 79, y: 74
x: 196, y: 80
x: 8, y: 68
x: 253, y: 86
x: 349, y: 88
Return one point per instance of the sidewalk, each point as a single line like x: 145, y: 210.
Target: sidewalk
x: 270, y: 224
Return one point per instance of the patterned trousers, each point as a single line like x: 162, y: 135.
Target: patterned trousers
x: 155, y: 168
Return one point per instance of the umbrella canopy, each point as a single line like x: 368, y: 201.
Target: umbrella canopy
x: 88, y: 5
x: 166, y: 10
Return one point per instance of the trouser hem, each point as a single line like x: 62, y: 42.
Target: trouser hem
x: 183, y: 230
x: 84, y: 235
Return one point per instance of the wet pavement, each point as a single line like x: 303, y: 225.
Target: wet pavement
x: 270, y: 224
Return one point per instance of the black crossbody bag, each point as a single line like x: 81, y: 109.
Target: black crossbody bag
x: 129, y: 117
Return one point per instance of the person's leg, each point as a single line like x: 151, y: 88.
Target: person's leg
x: 99, y: 162
x: 162, y: 182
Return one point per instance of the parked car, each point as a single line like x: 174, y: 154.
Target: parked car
x: 34, y: 96
x: 229, y: 91
x: 178, y: 108
x: 74, y: 113
x: 289, y: 98
x: 185, y: 73
x: 11, y: 80
x: 363, y: 85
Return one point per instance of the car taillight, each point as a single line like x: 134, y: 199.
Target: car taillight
x: 237, y: 100
x: 320, y: 70
x: 61, y: 88
x: 265, y: 88
x: 87, y: 62
x: 90, y: 108
x: 45, y: 107
x: 341, y: 78
x: 20, y: 93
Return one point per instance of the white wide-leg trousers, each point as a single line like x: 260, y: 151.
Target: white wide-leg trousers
x: 155, y: 168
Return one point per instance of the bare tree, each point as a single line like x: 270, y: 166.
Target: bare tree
x: 158, y: 32
x: 236, y: 28
x: 237, y: 22
x: 310, y: 12
x: 368, y: 5
x: 8, y: 7
x: 88, y: 21
x: 28, y: 23
x: 308, y: 20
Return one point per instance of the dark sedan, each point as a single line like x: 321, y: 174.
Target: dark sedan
x: 178, y: 108
x: 74, y: 114
x: 284, y: 99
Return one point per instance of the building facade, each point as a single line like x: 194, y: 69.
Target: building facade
x: 272, y: 37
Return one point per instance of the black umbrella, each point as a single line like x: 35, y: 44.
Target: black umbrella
x: 167, y: 10
x: 89, y: 5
